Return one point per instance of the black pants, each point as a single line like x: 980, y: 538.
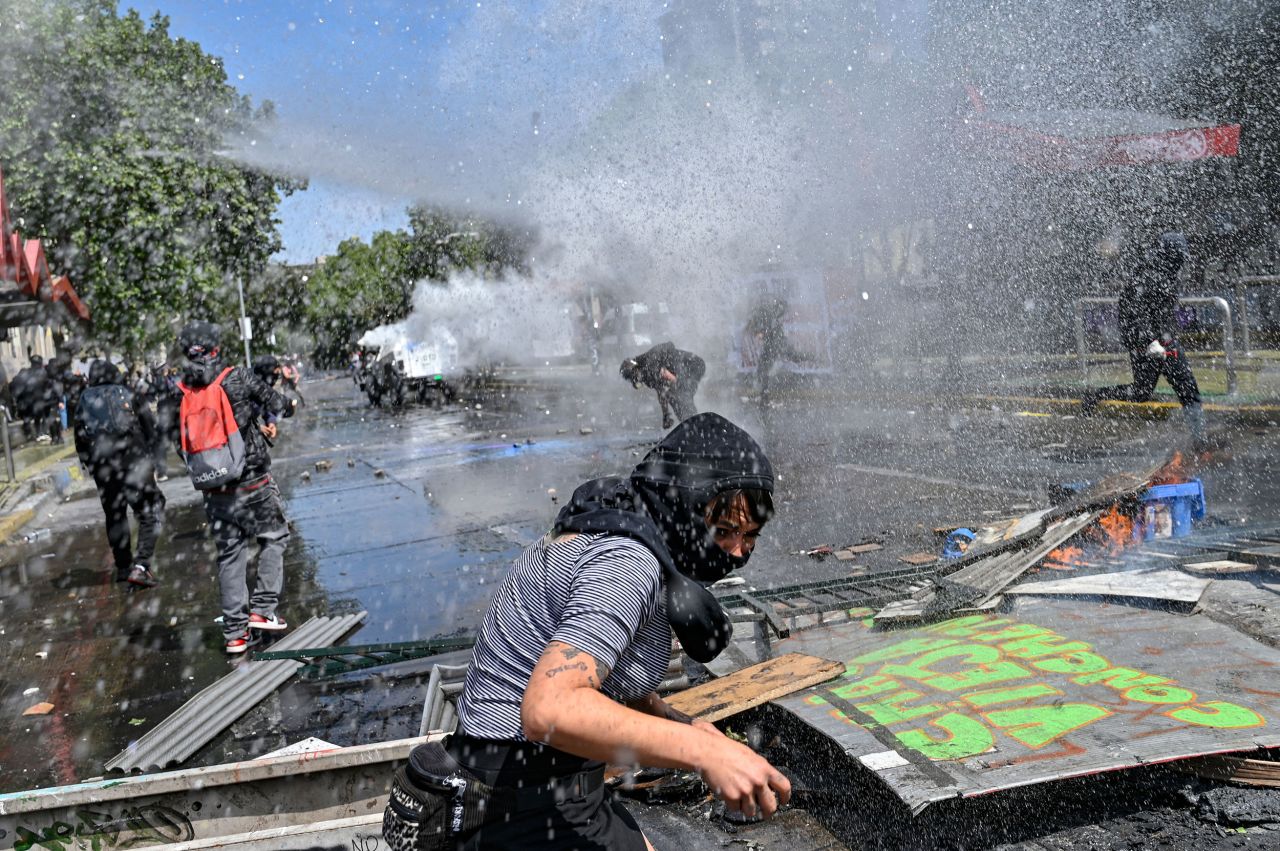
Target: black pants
x: 1147, y: 370
x: 119, y: 490
x: 677, y: 397
x: 593, y: 822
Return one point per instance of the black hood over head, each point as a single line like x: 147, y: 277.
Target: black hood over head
x: 265, y: 367
x: 662, y: 504
x: 1171, y: 251
x: 200, y: 343
x: 103, y: 372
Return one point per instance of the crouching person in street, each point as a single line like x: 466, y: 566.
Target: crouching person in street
x: 673, y: 373
x: 574, y: 644
x: 114, y: 435
x: 230, y: 463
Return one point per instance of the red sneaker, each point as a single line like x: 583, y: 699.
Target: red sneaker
x: 241, y: 642
x: 273, y: 623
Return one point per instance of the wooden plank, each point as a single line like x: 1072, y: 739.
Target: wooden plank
x: 1220, y: 566
x: 1262, y: 773
x: 918, y: 558
x: 858, y: 549
x: 754, y: 686
x: 1172, y: 585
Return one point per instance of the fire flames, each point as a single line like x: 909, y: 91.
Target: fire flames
x: 1175, y: 471
x: 1112, y: 533
x: 1116, y: 529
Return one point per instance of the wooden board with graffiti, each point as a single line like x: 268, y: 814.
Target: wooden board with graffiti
x: 984, y: 702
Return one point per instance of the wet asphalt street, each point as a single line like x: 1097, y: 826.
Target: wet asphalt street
x: 423, y: 509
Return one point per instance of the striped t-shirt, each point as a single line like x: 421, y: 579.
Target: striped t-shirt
x: 599, y: 593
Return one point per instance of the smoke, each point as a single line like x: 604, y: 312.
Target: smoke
x: 665, y: 150
x: 508, y: 320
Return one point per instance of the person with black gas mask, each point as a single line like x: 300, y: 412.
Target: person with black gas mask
x: 1148, y: 329
x: 576, y: 641
x: 249, y: 509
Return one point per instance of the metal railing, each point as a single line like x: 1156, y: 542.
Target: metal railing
x: 1242, y: 304
x: 1228, y: 335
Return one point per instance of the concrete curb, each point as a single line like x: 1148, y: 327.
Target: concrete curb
x: 14, y: 521
x: 1253, y: 414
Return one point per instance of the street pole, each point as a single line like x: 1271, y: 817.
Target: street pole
x: 246, y: 328
x: 8, y: 448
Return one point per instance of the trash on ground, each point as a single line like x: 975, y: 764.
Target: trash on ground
x: 42, y: 708
x: 958, y: 542
x: 323, y: 465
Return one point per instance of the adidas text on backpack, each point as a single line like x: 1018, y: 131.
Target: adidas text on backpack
x: 211, y: 440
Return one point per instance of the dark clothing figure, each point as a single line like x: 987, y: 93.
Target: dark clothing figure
x: 251, y: 508
x: 673, y: 373
x: 113, y: 436
x: 767, y: 326
x: 33, y: 398
x: 1148, y: 328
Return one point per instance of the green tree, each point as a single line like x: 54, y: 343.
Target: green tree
x: 362, y: 286
x: 110, y: 135
x: 443, y: 242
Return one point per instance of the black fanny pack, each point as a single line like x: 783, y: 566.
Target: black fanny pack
x: 435, y: 800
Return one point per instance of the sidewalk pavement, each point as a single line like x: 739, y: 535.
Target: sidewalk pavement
x: 47, y: 475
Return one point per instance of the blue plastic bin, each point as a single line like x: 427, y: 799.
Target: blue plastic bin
x: 1184, y: 502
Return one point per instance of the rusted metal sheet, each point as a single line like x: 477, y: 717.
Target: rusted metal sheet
x: 1054, y: 689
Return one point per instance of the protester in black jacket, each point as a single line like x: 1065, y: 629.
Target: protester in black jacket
x: 673, y: 373
x: 1148, y: 329
x: 33, y: 398
x: 249, y: 508
x: 113, y: 435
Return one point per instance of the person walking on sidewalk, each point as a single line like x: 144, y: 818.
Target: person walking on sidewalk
x: 113, y: 435
x: 673, y: 373
x: 1148, y: 329
x: 247, y: 508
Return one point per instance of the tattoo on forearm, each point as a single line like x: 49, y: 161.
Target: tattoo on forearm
x: 602, y: 671
x: 576, y: 666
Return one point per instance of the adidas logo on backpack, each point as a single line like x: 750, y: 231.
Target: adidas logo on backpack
x: 211, y: 439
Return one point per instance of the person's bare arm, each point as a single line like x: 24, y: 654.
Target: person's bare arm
x: 654, y: 705
x: 564, y: 708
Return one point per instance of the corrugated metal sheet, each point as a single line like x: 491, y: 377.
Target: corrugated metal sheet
x: 1054, y: 689
x: 217, y: 707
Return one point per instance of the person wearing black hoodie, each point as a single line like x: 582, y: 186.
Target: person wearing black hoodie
x: 673, y: 373
x: 577, y: 639
x: 1148, y: 329
x: 113, y: 435
x: 250, y: 508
